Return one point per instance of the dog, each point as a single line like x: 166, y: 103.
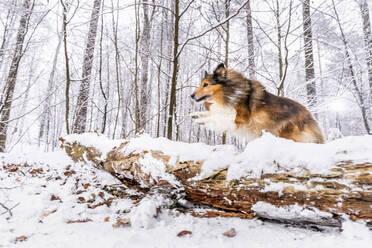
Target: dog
x: 243, y: 108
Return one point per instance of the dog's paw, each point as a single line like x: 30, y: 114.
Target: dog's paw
x: 201, y: 120
x: 198, y: 115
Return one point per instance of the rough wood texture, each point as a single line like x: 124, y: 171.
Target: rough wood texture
x: 347, y: 189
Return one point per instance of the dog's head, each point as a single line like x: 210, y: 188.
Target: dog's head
x: 210, y: 87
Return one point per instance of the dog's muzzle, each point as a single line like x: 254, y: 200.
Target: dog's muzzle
x: 199, y: 99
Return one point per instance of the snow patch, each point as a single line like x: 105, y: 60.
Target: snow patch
x: 269, y: 154
x: 156, y: 169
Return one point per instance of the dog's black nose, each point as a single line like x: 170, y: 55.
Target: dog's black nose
x: 193, y: 96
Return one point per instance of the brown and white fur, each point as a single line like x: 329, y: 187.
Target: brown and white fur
x: 243, y: 108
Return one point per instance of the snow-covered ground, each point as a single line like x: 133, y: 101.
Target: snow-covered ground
x: 54, y: 202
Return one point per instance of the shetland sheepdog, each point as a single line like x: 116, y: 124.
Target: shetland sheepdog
x: 243, y: 108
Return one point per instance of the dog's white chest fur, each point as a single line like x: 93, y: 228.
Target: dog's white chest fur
x: 222, y: 119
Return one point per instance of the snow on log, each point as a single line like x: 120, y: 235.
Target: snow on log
x: 273, y: 179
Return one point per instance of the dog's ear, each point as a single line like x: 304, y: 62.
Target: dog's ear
x: 205, y: 74
x: 220, y: 71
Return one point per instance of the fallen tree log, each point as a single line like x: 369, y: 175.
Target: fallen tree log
x: 297, y: 196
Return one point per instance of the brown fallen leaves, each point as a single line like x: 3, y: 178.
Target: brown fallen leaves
x: 108, y: 203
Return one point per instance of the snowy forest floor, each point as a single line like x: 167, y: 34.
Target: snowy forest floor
x: 54, y: 202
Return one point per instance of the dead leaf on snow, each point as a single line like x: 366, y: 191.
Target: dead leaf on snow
x: 21, y: 238
x: 36, y: 171
x: 122, y: 223
x: 230, y: 233
x: 54, y: 198
x: 78, y: 221
x: 45, y: 214
x: 86, y: 185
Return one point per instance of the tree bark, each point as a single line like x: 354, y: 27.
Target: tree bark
x: 309, y: 57
x: 10, y: 83
x: 83, y: 97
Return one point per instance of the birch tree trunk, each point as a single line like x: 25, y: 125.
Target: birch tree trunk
x: 309, y: 57
x: 82, y: 101
x: 10, y: 83
x: 367, y: 39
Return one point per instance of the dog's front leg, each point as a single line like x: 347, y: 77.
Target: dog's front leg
x: 202, y: 118
x: 208, y: 120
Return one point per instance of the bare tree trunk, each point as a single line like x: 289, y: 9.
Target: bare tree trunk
x: 159, y: 79
x: 227, y: 40
x: 67, y: 65
x: 104, y: 94
x: 10, y: 83
x: 145, y: 55
x: 367, y: 39
x: 9, y: 22
x: 45, y: 118
x: 352, y: 74
x: 251, y: 63
x: 172, y: 101
x: 136, y: 86
x: 117, y: 64
x: 309, y: 57
x: 82, y: 101
x: 279, y: 45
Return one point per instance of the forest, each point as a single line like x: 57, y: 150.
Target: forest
x: 123, y: 68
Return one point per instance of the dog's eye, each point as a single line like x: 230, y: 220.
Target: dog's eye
x: 205, y: 84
